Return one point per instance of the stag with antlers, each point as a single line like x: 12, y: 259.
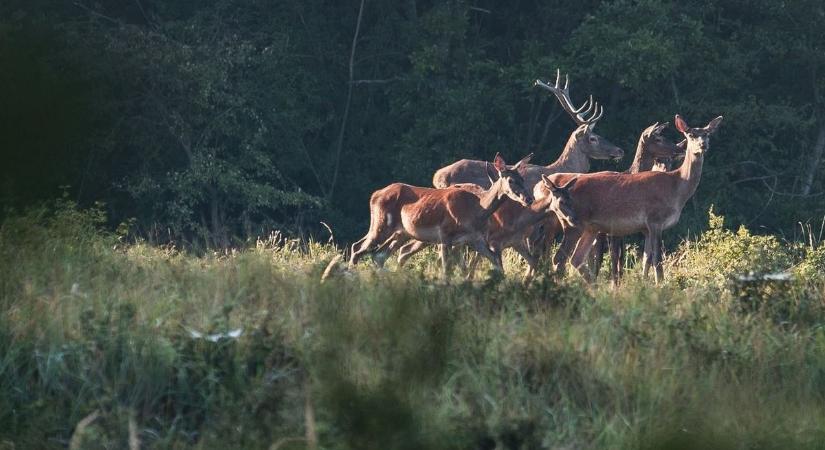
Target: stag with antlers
x: 620, y: 204
x: 512, y: 223
x: 583, y: 145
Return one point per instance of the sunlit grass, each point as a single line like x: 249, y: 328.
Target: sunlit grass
x: 230, y: 349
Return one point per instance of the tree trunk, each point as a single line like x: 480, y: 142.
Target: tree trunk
x: 340, y: 144
x: 819, y: 149
x: 217, y: 225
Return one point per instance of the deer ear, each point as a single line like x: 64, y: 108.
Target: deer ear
x: 523, y: 161
x: 520, y: 166
x: 569, y: 184
x: 713, y: 124
x: 499, y: 163
x: 549, y: 183
x: 650, y: 131
x: 681, y: 125
x: 492, y: 174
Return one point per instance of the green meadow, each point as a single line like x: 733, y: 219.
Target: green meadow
x: 110, y: 342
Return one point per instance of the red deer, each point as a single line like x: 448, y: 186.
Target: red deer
x: 582, y: 145
x: 619, y: 204
x: 653, y: 152
x: 508, y: 224
x: 652, y: 149
x: 451, y: 216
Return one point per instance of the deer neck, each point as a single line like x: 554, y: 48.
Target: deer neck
x: 643, y: 160
x: 572, y: 158
x: 532, y: 215
x: 689, y: 174
x: 490, y: 202
x: 528, y: 216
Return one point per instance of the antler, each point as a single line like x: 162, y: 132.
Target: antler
x: 563, y: 95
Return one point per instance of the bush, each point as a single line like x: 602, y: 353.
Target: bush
x: 720, y: 254
x: 812, y: 266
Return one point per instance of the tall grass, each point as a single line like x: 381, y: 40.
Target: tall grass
x: 249, y: 349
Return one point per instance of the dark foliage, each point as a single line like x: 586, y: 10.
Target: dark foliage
x: 215, y: 120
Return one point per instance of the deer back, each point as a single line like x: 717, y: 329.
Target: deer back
x: 622, y: 203
x: 582, y: 145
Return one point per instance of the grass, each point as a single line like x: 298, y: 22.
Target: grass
x: 395, y: 359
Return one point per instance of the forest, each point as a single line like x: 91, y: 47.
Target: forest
x: 212, y: 122
x: 181, y: 183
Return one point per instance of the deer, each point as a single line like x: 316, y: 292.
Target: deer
x: 620, y: 204
x: 654, y: 152
x: 582, y: 145
x: 508, y: 224
x: 448, y: 216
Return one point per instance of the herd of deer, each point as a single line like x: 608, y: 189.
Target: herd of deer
x: 491, y: 207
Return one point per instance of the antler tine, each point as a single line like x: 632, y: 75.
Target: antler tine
x: 592, y: 109
x: 563, y: 96
x: 587, y: 104
x: 596, y: 115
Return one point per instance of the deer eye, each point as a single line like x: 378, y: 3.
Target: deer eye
x: 593, y: 139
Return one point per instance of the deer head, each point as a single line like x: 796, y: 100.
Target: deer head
x: 594, y: 145
x: 658, y: 146
x: 586, y: 116
x: 698, y: 139
x: 509, y: 181
x: 557, y: 199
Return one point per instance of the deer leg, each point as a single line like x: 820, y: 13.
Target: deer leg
x: 360, y: 247
x: 537, y: 238
x: 583, y: 248
x: 661, y: 255
x: 541, y: 244
x: 399, y: 242
x: 568, y: 244
x: 532, y: 261
x: 656, y: 260
x: 443, y: 251
x: 646, y: 256
x: 462, y: 259
x: 409, y: 249
x: 616, y: 259
x: 599, y: 249
x: 388, y: 246
x: 471, y: 267
x: 494, y: 256
x: 355, y: 251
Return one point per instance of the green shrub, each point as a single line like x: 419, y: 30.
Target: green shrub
x: 721, y: 254
x: 812, y: 266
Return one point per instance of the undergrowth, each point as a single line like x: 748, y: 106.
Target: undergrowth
x: 101, y: 338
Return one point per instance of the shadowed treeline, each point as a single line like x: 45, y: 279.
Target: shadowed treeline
x: 211, y: 121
